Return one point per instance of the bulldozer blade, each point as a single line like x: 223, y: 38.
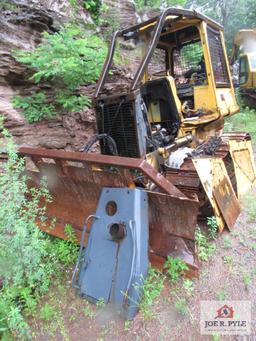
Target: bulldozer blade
x: 75, y: 181
x: 227, y: 175
x: 217, y: 185
x: 240, y: 148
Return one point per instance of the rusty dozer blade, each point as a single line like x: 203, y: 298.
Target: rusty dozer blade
x: 75, y: 181
x: 240, y: 148
x: 217, y: 185
x: 227, y: 175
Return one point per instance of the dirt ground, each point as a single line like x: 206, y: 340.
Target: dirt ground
x: 230, y: 274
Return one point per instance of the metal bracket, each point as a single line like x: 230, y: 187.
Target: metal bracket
x: 74, y: 281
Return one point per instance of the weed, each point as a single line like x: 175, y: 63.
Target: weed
x: 152, y: 287
x: 252, y: 233
x: 26, y: 268
x: 212, y: 227
x: 204, y: 273
x: 47, y: 312
x: 93, y: 6
x: 72, y: 318
x: 35, y: 107
x: 247, y: 279
x: 65, y: 251
x: 221, y: 295
x: 215, y: 337
x: 242, y: 239
x: 57, y: 324
x: 101, y: 303
x: 127, y: 325
x: 88, y: 312
x: 175, y: 267
x: 110, y: 22
x: 181, y: 306
x: 243, y: 121
x: 253, y: 246
x: 142, y: 4
x: 5, y: 5
x: 28, y: 257
x: 205, y: 248
x: 249, y: 205
x: 229, y: 260
x: 227, y: 242
x: 188, y: 286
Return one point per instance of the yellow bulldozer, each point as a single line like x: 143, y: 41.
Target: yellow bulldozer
x: 161, y: 101
x: 244, y: 50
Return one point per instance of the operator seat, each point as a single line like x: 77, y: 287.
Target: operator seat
x: 160, y: 102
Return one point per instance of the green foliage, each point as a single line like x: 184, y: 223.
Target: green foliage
x: 152, y: 287
x: 228, y: 13
x: 47, y: 312
x: 227, y: 242
x: 253, y: 246
x: 65, y: 252
x: 28, y: 257
x: 101, y: 303
x: 25, y: 267
x: 188, y: 286
x: 142, y: 4
x: 247, y: 279
x: 204, y: 247
x: 175, y: 267
x: 35, y: 107
x: 88, y: 312
x: 71, y: 102
x: 181, y: 306
x: 215, y: 337
x: 229, y: 261
x: 212, y: 227
x: 221, y: 295
x: 71, y: 57
x: 249, y: 204
x: 242, y: 121
x: 6, y: 5
x: 93, y: 6
x: 252, y: 232
x: 109, y: 22
x: 127, y: 325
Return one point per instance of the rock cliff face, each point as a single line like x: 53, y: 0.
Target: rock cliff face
x: 21, y: 25
x: 123, y: 10
x: 20, y: 28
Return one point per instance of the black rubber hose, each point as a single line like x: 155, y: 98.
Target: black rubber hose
x: 110, y: 141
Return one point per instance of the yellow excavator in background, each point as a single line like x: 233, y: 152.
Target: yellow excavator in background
x: 244, y: 51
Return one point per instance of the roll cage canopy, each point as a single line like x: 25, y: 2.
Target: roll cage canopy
x: 155, y: 25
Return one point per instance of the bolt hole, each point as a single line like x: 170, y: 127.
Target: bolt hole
x: 111, y: 208
x: 117, y: 231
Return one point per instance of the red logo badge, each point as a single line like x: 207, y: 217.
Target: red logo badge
x: 225, y: 312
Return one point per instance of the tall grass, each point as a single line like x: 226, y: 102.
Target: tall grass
x: 244, y: 121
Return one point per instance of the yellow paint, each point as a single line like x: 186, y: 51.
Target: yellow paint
x: 211, y: 172
x: 243, y: 160
x: 251, y: 79
x: 214, y: 103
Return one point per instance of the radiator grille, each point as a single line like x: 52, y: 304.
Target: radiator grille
x: 119, y: 122
x: 218, y: 58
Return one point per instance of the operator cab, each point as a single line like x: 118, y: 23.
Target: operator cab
x: 180, y: 55
x: 171, y: 78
